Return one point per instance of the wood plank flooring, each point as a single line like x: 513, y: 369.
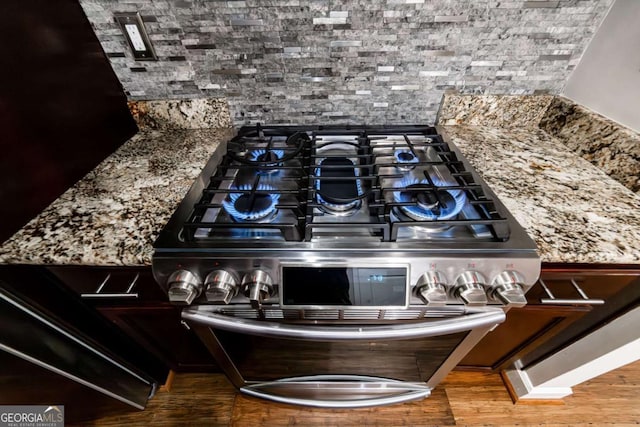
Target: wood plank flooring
x: 464, y: 398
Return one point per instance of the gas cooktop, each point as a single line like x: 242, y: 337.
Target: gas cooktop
x: 351, y: 183
x: 328, y: 195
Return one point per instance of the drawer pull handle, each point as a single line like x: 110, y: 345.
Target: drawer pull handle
x: 128, y: 294
x: 104, y: 282
x: 583, y: 300
x: 118, y: 295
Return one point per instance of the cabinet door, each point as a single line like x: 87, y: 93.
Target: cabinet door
x: 525, y: 328
x: 131, y: 299
x: 544, y: 324
x: 620, y: 292
x: 158, y: 328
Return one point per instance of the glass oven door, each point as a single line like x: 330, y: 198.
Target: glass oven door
x: 339, y: 365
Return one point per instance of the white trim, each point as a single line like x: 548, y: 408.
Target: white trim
x: 621, y: 356
x: 614, y: 345
x: 524, y: 390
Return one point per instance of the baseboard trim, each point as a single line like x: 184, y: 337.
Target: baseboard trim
x: 522, y: 391
x: 166, y: 387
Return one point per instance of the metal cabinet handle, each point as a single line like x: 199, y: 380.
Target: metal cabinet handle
x: 128, y: 294
x: 583, y: 300
x: 487, y: 318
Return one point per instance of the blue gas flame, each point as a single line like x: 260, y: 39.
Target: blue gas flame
x: 426, y: 214
x: 413, y: 158
x: 254, y: 156
x: 229, y: 205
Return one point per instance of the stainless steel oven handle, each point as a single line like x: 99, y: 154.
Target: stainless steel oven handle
x: 342, y: 404
x: 467, y: 322
x: 397, y: 392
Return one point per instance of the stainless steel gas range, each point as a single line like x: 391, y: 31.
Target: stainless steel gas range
x: 342, y: 266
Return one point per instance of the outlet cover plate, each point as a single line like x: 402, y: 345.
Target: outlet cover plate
x: 133, y: 28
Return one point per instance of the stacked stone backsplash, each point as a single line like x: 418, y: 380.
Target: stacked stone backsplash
x: 322, y: 61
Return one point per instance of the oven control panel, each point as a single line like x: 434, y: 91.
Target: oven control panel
x: 366, y: 283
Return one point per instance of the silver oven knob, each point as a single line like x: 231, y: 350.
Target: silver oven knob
x: 470, y: 288
x: 431, y: 288
x: 220, y: 286
x: 257, y: 286
x: 184, y: 287
x: 507, y: 287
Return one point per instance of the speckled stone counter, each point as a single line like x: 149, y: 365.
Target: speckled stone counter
x: 113, y: 215
x: 573, y: 210
x: 204, y: 113
x: 502, y: 111
x: 610, y: 146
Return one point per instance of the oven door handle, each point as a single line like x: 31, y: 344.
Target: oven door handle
x: 487, y: 318
x: 338, y: 391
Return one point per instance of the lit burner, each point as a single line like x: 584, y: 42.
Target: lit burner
x: 259, y: 206
x: 339, y: 196
x: 405, y: 159
x: 427, y: 206
x: 269, y: 159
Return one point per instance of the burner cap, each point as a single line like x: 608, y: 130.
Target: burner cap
x: 248, y: 205
x: 430, y: 203
x: 405, y: 158
x: 259, y: 206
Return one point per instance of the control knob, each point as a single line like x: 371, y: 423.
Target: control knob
x: 184, y: 287
x: 431, y: 289
x: 470, y: 288
x: 507, y: 287
x: 257, y: 286
x: 221, y: 286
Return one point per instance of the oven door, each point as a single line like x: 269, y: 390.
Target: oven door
x: 339, y: 365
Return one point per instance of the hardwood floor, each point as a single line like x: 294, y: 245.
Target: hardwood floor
x: 464, y: 398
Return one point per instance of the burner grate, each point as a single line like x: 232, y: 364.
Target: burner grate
x: 351, y: 183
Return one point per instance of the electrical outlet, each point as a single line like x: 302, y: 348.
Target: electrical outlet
x: 136, y: 34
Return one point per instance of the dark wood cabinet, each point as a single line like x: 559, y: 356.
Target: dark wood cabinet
x: 544, y: 326
x: 62, y: 108
x: 158, y: 327
x: 130, y: 298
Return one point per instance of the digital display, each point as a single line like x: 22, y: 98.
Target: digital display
x: 358, y: 286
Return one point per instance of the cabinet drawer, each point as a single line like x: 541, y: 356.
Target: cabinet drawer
x: 111, y: 284
x: 576, y: 289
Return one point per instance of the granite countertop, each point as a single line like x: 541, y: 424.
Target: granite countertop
x: 572, y: 209
x: 113, y: 215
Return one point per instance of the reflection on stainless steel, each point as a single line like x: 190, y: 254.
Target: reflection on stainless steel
x: 338, y: 391
x: 257, y: 286
x: 384, y: 255
x: 431, y: 288
x: 184, y: 287
x: 350, y: 333
x: 221, y: 286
